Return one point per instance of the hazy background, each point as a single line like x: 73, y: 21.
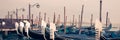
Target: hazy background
x: 72, y: 7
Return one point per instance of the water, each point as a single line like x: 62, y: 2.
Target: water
x: 13, y: 36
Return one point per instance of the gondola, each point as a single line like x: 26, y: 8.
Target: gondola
x: 36, y: 34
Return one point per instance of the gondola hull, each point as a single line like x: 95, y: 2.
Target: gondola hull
x: 36, y: 34
x: 20, y: 33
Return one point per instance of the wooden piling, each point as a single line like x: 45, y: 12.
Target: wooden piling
x: 8, y: 15
x: 44, y: 16
x: 73, y: 20
x: 106, y: 19
x: 11, y: 18
x: 17, y: 14
x: 58, y: 20
x: 100, y: 11
x: 22, y: 16
x: 79, y: 21
x: 64, y: 20
x: 39, y: 18
x: 54, y: 18
x: 29, y: 7
x: 32, y: 18
x: 91, y: 21
x: 81, y: 18
x: 48, y: 20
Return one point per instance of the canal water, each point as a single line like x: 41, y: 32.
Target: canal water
x: 13, y: 36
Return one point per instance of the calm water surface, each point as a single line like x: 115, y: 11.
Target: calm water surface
x: 13, y: 36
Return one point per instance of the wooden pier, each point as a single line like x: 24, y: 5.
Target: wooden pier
x: 7, y: 29
x: 9, y: 24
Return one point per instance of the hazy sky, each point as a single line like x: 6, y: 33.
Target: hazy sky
x: 72, y: 7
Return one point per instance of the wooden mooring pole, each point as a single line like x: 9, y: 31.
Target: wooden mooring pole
x: 81, y: 18
x: 64, y: 21
x: 106, y: 19
x: 91, y: 21
x: 54, y: 21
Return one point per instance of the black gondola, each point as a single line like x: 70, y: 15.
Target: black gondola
x: 36, y: 34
